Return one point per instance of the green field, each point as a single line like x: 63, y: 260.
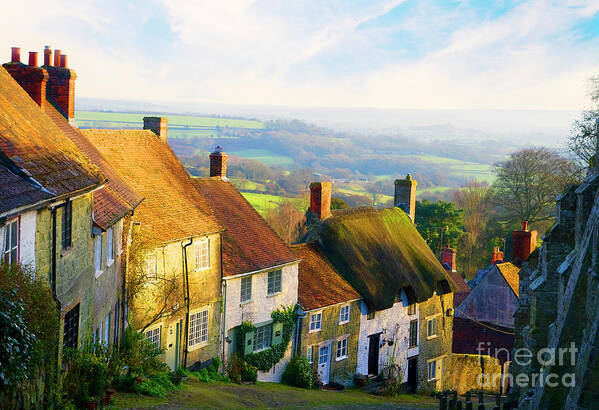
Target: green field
x: 265, y: 156
x: 247, y: 185
x: 263, y: 202
x: 464, y: 169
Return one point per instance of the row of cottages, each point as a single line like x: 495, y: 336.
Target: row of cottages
x: 62, y: 210
x: 374, y: 299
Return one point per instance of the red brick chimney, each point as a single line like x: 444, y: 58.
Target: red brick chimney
x: 496, y: 256
x: 218, y: 163
x: 320, y: 199
x: 61, y: 83
x: 31, y: 78
x: 405, y: 195
x: 448, y: 256
x: 158, y: 125
x: 524, y: 242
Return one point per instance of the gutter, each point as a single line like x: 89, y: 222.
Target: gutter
x: 240, y: 275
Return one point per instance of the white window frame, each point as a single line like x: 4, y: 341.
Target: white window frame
x: 106, y: 335
x: 201, y: 254
x: 199, y: 325
x: 432, y: 368
x: 341, y: 349
x: 109, y: 247
x: 98, y: 255
x: 154, y: 335
x: 429, y: 320
x: 315, y: 322
x: 274, y: 274
x: 325, y: 349
x: 310, y: 354
x: 266, y: 337
x: 241, y: 288
x: 151, y: 268
x: 344, y: 317
x: 7, y: 240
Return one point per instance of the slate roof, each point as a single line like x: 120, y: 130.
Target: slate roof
x: 380, y: 252
x: 320, y: 285
x: 511, y: 274
x: 116, y: 199
x: 172, y: 208
x: 249, y: 244
x: 17, y: 191
x: 30, y: 141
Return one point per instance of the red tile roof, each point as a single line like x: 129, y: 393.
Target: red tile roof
x: 462, y: 289
x: 116, y: 199
x: 511, y: 274
x: 320, y: 285
x: 249, y: 244
x: 172, y: 208
x: 32, y: 142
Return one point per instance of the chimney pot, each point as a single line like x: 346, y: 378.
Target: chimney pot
x: 320, y: 199
x: 405, y: 195
x: 56, y: 58
x: 525, y: 225
x: 33, y: 58
x: 15, y: 55
x: 448, y: 258
x: 63, y: 61
x: 218, y: 163
x: 496, y: 256
x: 158, y: 125
x: 47, y: 55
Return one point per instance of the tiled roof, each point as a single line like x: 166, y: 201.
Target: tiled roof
x: 511, y: 274
x: 462, y: 289
x: 172, y: 208
x: 116, y: 199
x: 31, y: 141
x: 17, y: 191
x: 249, y: 244
x: 320, y: 285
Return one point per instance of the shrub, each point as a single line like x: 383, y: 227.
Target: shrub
x: 241, y: 371
x: 299, y: 373
x: 86, y: 376
x: 211, y: 373
x: 139, y: 356
x: 157, y: 385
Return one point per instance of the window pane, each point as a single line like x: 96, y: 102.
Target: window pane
x: 323, y: 356
x: 246, y: 288
x: 262, y: 337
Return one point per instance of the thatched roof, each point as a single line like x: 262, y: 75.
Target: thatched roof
x: 379, y: 252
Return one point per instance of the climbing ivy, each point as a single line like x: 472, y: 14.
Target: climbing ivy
x: 266, y: 359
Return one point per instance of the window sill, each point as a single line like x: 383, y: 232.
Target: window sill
x: 315, y: 330
x: 109, y: 263
x: 338, y: 359
x: 201, y: 269
x: 432, y: 337
x: 98, y: 273
x: 343, y: 323
x: 198, y: 346
x: 412, y: 346
x: 66, y: 252
x: 246, y: 302
x: 271, y: 295
x: 261, y: 350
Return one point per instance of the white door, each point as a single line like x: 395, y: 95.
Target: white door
x: 324, y: 355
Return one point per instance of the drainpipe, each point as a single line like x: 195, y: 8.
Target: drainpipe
x: 224, y: 327
x: 184, y: 248
x: 298, y: 330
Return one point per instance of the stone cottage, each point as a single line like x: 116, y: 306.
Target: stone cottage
x: 259, y: 273
x: 405, y: 316
x: 328, y: 325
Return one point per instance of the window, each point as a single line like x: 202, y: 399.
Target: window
x: 109, y: 247
x: 412, y: 308
x: 246, y: 288
x: 309, y: 354
x: 344, y: 314
x: 342, y: 349
x: 315, y: 322
x: 152, y: 266
x: 431, y: 328
x: 323, y: 355
x: 98, y: 254
x: 71, y: 328
x: 107, y: 329
x: 371, y: 313
x: 11, y: 242
x: 198, y: 328
x: 67, y: 218
x: 153, y: 337
x: 262, y: 337
x: 274, y: 282
x: 432, y: 369
x: 413, y: 333
x: 201, y: 254
x: 116, y: 322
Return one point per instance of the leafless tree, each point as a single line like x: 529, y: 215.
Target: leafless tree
x: 584, y: 139
x: 287, y: 221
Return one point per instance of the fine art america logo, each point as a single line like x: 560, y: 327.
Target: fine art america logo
x: 545, y: 359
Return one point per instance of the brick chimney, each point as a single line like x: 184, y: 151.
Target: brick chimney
x: 218, y: 163
x: 31, y: 78
x: 524, y: 242
x: 320, y: 199
x: 158, y: 125
x: 496, y: 256
x: 405, y: 195
x: 448, y: 256
x: 61, y: 83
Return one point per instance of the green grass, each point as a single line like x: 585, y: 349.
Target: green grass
x: 263, y: 202
x: 247, y: 185
x: 195, y: 394
x: 265, y: 156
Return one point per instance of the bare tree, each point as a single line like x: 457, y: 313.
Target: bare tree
x: 584, y: 134
x: 287, y: 221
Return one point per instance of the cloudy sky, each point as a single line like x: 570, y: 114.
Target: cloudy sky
x: 425, y: 54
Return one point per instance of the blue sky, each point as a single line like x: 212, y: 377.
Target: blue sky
x: 427, y: 54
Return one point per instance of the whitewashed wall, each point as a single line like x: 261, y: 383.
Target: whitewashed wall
x: 258, y: 310
x: 394, y: 323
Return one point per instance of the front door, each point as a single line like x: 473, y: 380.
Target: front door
x: 172, y: 345
x: 413, y: 374
x: 373, y: 354
x: 324, y: 355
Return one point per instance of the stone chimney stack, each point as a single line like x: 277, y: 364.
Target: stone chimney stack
x: 320, y: 199
x: 405, y: 195
x: 496, y: 256
x: 524, y: 242
x: 61, y: 83
x: 31, y: 78
x: 448, y: 257
x: 218, y: 163
x: 158, y: 125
